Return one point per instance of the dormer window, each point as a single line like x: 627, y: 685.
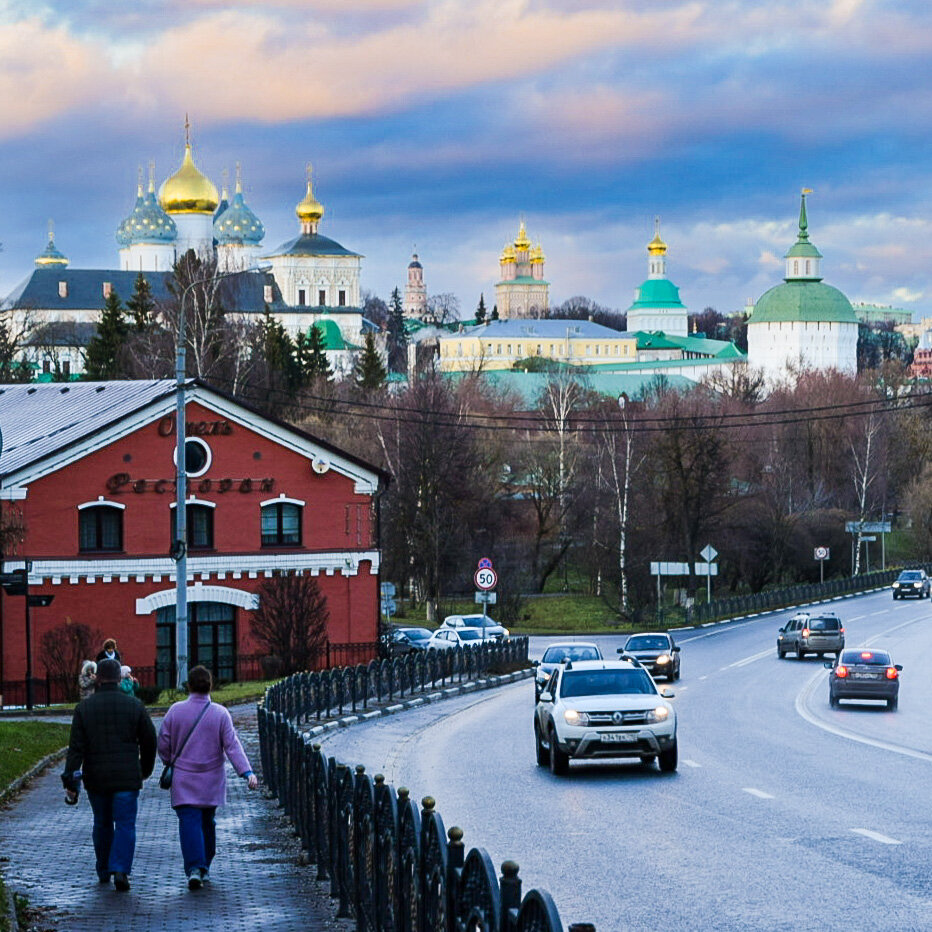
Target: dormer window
x: 108, y: 289
x: 63, y: 289
x: 267, y: 294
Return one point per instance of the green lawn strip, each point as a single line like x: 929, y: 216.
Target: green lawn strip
x: 24, y: 744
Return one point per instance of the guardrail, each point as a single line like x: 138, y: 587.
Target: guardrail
x: 392, y: 866
x: 789, y: 595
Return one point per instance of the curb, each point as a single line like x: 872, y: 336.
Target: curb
x: 448, y: 692
x: 22, y: 780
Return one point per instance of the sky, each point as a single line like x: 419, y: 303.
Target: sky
x: 441, y: 124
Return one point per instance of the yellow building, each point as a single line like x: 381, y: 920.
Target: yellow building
x: 499, y: 344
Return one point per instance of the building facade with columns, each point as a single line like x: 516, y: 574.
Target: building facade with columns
x: 88, y: 470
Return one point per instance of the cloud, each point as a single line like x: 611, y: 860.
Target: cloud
x: 907, y: 296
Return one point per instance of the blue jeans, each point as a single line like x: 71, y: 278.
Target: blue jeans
x: 198, y: 833
x: 114, y: 830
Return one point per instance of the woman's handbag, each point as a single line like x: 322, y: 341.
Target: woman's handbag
x: 165, y: 778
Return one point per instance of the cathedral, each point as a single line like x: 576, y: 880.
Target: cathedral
x: 522, y: 291
x: 308, y: 280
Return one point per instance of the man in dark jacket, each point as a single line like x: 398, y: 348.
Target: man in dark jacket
x: 113, y: 742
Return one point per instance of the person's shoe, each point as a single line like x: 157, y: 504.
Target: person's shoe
x: 120, y: 881
x: 103, y: 878
x: 205, y: 875
x: 194, y: 880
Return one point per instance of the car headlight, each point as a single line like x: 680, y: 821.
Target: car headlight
x: 660, y: 714
x: 663, y: 658
x: 572, y: 717
x: 917, y: 585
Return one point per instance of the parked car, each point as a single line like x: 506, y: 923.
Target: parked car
x: 559, y: 653
x: 593, y: 709
x: 911, y: 583
x: 656, y: 651
x: 811, y: 633
x: 864, y: 674
x: 448, y: 638
x: 410, y: 640
x: 480, y: 622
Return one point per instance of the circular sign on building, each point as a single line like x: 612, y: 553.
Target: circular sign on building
x: 485, y: 578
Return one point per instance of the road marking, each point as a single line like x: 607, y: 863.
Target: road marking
x: 704, y: 677
x: 760, y: 794
x: 874, y: 614
x: 691, y: 763
x: 751, y: 659
x: 857, y: 617
x: 876, y: 836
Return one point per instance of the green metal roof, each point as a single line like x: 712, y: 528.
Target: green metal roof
x: 716, y: 349
x: 523, y: 280
x: 654, y: 339
x: 332, y: 337
x: 803, y: 301
x: 657, y: 292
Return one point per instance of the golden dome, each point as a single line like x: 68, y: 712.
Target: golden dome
x: 522, y: 242
x: 310, y: 210
x: 656, y: 247
x: 188, y: 191
x: 537, y: 254
x: 508, y: 253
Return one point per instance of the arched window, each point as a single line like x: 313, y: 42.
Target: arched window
x: 200, y: 521
x: 281, y: 524
x: 100, y: 528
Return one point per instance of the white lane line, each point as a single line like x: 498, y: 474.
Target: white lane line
x: 705, y: 677
x: 876, y: 836
x: 691, y: 763
x: 760, y: 794
x: 857, y: 617
x: 751, y: 659
x: 874, y: 614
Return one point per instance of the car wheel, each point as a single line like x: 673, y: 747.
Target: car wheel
x: 559, y: 761
x: 543, y: 755
x: 800, y: 653
x: 668, y: 759
x: 892, y: 703
x: 832, y: 701
x: 780, y: 654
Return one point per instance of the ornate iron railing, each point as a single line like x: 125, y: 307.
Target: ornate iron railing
x: 391, y: 865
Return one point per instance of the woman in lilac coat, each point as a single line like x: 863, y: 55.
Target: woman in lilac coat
x: 199, y: 780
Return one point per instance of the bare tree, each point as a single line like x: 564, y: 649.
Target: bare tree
x: 62, y: 650
x: 443, y: 308
x: 291, y: 620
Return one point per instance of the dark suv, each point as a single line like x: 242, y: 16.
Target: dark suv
x: 809, y: 633
x: 911, y: 582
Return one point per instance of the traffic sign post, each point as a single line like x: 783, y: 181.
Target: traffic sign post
x: 485, y: 579
x: 821, y: 554
x: 708, y: 553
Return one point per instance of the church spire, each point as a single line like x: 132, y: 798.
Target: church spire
x: 803, y: 260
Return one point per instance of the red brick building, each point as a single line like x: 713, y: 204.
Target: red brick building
x: 90, y: 469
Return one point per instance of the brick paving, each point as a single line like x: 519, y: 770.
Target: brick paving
x: 256, y: 878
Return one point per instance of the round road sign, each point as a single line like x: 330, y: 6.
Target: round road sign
x: 486, y: 578
x: 485, y: 564
x: 821, y: 553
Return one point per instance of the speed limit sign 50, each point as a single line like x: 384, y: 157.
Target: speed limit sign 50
x: 485, y: 578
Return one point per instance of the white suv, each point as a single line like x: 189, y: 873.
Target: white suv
x: 604, y: 708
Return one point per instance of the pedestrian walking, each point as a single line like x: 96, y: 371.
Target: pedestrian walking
x: 195, y: 735
x: 112, y: 747
x: 109, y: 651
x: 87, y: 679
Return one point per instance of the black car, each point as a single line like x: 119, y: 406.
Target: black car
x: 911, y: 583
x: 864, y: 673
x: 409, y: 640
x: 656, y: 652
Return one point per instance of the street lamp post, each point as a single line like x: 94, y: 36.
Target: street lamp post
x: 180, y: 544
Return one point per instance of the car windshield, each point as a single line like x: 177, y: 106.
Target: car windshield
x: 476, y: 621
x: 878, y: 658
x: 564, y: 652
x: 605, y: 683
x: 910, y: 576
x: 824, y: 624
x: 416, y: 634
x: 467, y: 635
x: 647, y: 642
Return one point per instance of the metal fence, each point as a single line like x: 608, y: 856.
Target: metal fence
x: 391, y: 865
x: 788, y: 595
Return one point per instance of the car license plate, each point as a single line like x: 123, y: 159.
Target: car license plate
x: 620, y: 737
x: 865, y: 676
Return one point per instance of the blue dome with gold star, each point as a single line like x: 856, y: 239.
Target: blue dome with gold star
x: 238, y: 225
x: 147, y: 223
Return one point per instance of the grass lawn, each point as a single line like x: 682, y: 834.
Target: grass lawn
x: 226, y: 695
x: 24, y: 744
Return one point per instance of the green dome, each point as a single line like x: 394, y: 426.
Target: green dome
x: 657, y: 292
x: 803, y: 301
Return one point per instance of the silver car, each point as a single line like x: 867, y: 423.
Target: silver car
x: 558, y: 654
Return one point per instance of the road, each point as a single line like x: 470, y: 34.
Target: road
x: 784, y: 814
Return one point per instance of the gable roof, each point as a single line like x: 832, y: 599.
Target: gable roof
x: 45, y: 426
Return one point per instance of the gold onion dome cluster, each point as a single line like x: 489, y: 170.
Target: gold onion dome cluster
x: 309, y: 210
x: 508, y: 253
x: 522, y: 240
x: 188, y: 191
x: 537, y: 254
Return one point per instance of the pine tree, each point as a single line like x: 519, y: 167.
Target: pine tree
x: 316, y: 364
x: 141, y: 305
x: 370, y: 373
x: 494, y: 315
x: 397, y: 338
x: 280, y: 355
x: 102, y: 357
x: 480, y: 311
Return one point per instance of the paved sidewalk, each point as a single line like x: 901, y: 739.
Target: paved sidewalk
x: 256, y: 881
